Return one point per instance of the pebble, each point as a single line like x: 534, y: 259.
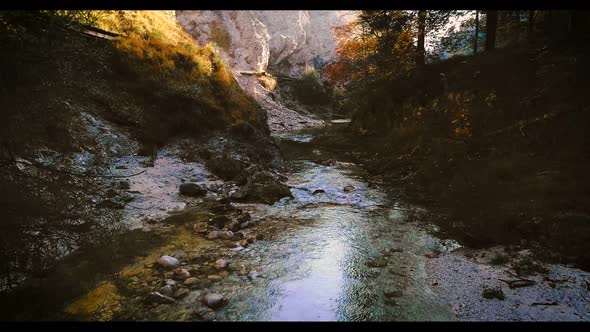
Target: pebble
x: 213, y: 300
x: 168, y: 262
x: 243, y: 243
x: 392, y: 294
x: 166, y: 290
x: 180, y: 293
x: 181, y: 274
x: 214, y: 277
x: 253, y: 275
x: 213, y: 235
x: 159, y: 298
x: 220, y: 264
x: 200, y: 227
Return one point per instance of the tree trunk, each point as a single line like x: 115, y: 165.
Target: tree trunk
x: 531, y: 24
x: 421, y: 37
x: 571, y: 26
x: 476, y: 32
x: 491, y: 26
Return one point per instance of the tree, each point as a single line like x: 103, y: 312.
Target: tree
x: 476, y: 32
x: 531, y: 24
x: 491, y: 27
x: 421, y: 37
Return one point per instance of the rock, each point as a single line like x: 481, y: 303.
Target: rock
x: 377, y: 262
x: 111, y: 204
x: 213, y: 300
x: 226, y: 235
x: 220, y: 221
x: 214, y: 277
x: 181, y: 274
x: 243, y: 271
x: 244, y: 217
x: 220, y: 264
x: 234, y: 226
x: 263, y: 187
x: 126, y: 198
x: 392, y: 294
x: 348, y: 189
x: 318, y: 191
x: 156, y: 297
x: 168, y: 262
x: 243, y: 243
x: 430, y: 254
x: 223, y: 274
x: 253, y: 275
x: 435, y: 283
x: 124, y: 184
x: 192, y: 189
x: 191, y: 281
x: 213, y: 235
x: 170, y: 282
x: 238, y: 248
x: 200, y: 227
x: 166, y: 290
x: 180, y: 293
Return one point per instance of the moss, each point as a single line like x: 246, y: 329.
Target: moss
x: 493, y: 293
x: 101, y: 303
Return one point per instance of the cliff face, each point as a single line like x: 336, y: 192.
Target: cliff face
x: 282, y: 42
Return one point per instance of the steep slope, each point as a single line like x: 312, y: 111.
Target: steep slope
x: 283, y: 43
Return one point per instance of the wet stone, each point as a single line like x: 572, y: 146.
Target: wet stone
x: 214, y: 277
x: 213, y: 300
x: 192, y: 189
x: 377, y: 262
x: 168, y: 262
x: 244, y: 217
x: 243, y: 243
x: 393, y: 293
x: 181, y: 274
x: 180, y: 293
x: 213, y: 235
x: 156, y: 297
x: 220, y: 264
x: 234, y: 226
x: 166, y: 290
x: 348, y: 189
x: 200, y: 227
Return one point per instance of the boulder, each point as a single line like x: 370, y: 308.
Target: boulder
x: 192, y: 189
x: 213, y: 300
x: 168, y: 262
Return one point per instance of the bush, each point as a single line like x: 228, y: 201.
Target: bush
x: 493, y: 293
x: 310, y: 89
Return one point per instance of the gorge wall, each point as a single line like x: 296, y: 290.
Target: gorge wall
x: 279, y: 42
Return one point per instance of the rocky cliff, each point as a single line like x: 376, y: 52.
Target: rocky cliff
x: 281, y: 42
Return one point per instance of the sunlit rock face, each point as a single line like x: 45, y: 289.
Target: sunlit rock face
x: 280, y: 42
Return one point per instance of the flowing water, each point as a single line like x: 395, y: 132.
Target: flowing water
x: 342, y: 248
x: 358, y: 259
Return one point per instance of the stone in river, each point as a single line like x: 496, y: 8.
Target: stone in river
x: 430, y: 254
x: 166, y: 290
x: 192, y: 189
x: 180, y: 293
x: 214, y: 277
x: 213, y: 235
x: 168, y: 262
x: 159, y: 298
x: 181, y: 274
x: 348, y: 189
x: 213, y: 300
x: 220, y: 264
x: 393, y: 293
x: 377, y: 262
x: 200, y: 227
x: 243, y: 243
